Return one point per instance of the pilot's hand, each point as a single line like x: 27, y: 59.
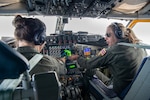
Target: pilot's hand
x: 63, y: 59
x: 102, y: 52
x: 73, y: 57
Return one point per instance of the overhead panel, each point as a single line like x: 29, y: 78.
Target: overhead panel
x: 73, y: 8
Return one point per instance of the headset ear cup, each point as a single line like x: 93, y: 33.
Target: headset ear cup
x: 39, y: 38
x: 36, y: 38
x: 42, y: 38
x: 118, y: 32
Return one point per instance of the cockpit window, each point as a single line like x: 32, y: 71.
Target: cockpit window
x: 141, y: 29
x: 91, y: 25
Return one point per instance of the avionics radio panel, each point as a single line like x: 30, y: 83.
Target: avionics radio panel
x: 57, y: 51
x: 56, y: 43
x: 61, y: 39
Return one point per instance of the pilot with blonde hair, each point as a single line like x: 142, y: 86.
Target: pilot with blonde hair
x: 122, y: 61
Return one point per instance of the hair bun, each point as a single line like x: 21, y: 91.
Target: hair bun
x: 18, y: 21
x: 17, y: 18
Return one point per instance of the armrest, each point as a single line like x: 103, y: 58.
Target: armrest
x: 101, y: 88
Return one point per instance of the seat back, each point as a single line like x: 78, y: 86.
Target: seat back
x: 12, y: 63
x: 140, y: 88
x: 125, y: 91
x: 46, y: 86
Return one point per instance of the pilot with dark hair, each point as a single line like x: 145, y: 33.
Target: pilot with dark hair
x: 30, y: 34
x: 122, y: 61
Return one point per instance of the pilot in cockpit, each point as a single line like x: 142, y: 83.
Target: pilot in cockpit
x: 30, y: 34
x: 122, y: 61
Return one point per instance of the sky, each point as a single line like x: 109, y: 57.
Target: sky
x: 91, y: 25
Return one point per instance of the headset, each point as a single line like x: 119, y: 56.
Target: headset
x: 117, y: 30
x: 40, y: 37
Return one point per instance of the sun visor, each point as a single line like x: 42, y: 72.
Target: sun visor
x: 130, y: 6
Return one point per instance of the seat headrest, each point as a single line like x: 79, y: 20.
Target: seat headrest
x: 12, y: 63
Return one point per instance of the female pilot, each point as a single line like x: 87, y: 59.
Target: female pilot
x: 122, y: 61
x: 30, y: 34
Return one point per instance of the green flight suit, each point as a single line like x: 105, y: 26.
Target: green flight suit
x: 122, y: 61
x: 47, y: 63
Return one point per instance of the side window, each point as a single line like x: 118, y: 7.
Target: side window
x: 142, y: 31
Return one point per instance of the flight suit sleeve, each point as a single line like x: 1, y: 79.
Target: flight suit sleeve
x: 96, y: 62
x: 57, y: 65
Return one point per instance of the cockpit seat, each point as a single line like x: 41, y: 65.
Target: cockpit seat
x: 46, y: 85
x: 138, y: 89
